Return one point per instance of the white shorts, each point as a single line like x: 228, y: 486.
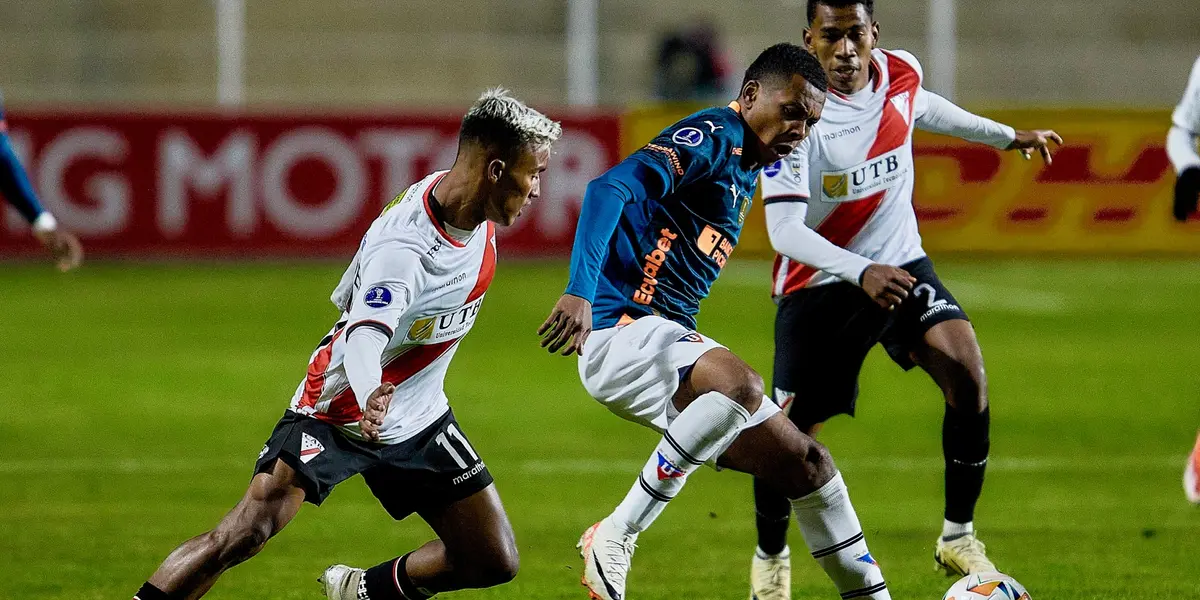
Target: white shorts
x: 634, y: 370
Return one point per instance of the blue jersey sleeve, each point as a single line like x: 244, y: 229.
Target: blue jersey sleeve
x: 14, y: 183
x: 680, y: 155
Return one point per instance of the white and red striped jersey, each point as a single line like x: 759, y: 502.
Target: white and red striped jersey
x: 855, y: 169
x: 420, y: 286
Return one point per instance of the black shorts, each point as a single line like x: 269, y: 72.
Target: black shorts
x: 430, y: 470
x: 823, y: 335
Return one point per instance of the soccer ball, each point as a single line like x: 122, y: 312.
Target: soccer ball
x: 986, y: 586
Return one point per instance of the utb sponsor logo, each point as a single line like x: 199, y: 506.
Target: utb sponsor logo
x: 448, y: 325
x: 834, y: 185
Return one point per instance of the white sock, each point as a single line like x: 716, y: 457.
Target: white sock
x: 835, y: 538
x: 785, y: 553
x: 700, y: 430
x: 953, y: 531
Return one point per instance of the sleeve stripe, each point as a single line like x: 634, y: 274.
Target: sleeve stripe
x: 373, y: 325
x: 785, y: 198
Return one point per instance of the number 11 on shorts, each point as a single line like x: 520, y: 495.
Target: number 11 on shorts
x: 444, y: 442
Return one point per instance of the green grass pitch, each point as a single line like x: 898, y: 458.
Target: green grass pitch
x: 136, y: 398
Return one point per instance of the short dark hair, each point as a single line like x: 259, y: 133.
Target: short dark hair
x: 785, y: 60
x: 869, y: 5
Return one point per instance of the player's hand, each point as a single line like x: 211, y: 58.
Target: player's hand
x: 1187, y: 193
x: 1038, y: 139
x: 568, y: 325
x: 377, y: 407
x: 67, y: 251
x: 888, y: 286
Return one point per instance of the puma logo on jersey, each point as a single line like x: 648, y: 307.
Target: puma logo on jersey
x: 713, y: 127
x: 867, y: 178
x: 445, y: 326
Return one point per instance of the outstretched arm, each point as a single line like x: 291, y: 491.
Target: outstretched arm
x: 939, y: 115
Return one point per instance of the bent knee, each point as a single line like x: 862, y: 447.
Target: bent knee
x: 498, y: 567
x: 806, y: 468
x: 968, y: 387
x: 725, y: 373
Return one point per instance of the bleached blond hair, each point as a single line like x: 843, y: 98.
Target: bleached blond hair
x: 498, y: 119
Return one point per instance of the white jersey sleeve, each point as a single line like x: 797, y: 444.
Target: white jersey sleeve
x: 787, y: 179
x: 1185, y: 121
x: 1187, y: 113
x: 390, y: 275
x: 939, y: 115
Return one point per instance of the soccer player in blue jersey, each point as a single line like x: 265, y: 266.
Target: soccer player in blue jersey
x: 16, y: 189
x: 653, y: 235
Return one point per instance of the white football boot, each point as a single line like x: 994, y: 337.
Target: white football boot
x: 343, y: 583
x: 606, y: 552
x: 962, y: 556
x: 771, y: 577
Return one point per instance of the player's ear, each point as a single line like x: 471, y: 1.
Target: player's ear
x: 874, y: 34
x: 495, y: 170
x: 750, y: 93
x: 808, y: 41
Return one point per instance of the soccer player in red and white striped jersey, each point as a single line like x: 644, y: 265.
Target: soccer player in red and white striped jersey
x: 840, y: 215
x: 373, y: 402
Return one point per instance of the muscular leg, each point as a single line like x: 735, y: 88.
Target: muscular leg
x: 715, y: 401
x: 269, y: 504
x: 475, y: 549
x: 950, y: 354
x: 796, y: 465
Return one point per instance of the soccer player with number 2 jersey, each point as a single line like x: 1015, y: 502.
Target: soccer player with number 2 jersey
x: 840, y: 215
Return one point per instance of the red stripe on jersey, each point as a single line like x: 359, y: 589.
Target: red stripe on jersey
x: 848, y: 218
x: 432, y: 219
x: 487, y: 269
x: 314, y: 381
x: 344, y: 409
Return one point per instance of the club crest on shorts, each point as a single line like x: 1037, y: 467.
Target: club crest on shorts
x: 667, y: 469
x: 377, y: 297
x: 310, y: 447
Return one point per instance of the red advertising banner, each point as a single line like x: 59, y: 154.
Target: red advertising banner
x: 250, y: 185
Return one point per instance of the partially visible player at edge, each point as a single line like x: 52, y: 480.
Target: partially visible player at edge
x: 653, y: 235
x: 373, y: 401
x: 840, y: 215
x: 1181, y: 148
x: 15, y: 187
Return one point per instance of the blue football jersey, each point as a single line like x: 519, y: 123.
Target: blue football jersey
x: 689, y: 191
